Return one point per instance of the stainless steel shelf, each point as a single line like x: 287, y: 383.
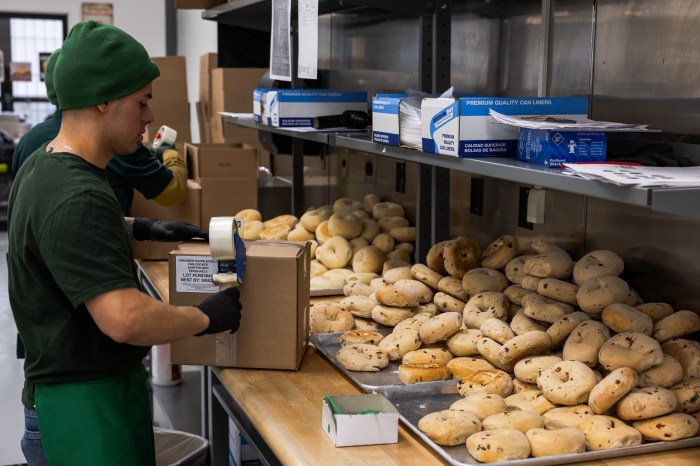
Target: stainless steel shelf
x: 678, y: 201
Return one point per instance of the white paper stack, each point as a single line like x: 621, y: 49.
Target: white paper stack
x: 632, y: 175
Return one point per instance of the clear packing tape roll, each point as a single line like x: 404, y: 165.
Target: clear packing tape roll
x: 222, y: 231
x: 165, y: 135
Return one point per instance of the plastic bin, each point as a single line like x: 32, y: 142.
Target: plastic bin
x: 176, y: 448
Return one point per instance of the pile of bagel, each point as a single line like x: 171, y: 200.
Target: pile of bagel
x: 351, y: 240
x: 553, y: 355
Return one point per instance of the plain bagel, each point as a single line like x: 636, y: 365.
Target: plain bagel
x: 595, y: 294
x: 597, y: 264
x: 387, y: 209
x: 461, y: 254
x: 635, y: 350
x: 492, y: 446
x: 500, y: 252
x: 335, y: 253
x: 567, y: 382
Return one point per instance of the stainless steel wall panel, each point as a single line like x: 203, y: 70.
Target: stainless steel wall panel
x: 571, y: 46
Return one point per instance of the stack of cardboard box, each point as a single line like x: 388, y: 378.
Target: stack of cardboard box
x: 228, y: 175
x: 170, y: 104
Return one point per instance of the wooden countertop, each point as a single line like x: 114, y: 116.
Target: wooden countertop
x: 285, y: 408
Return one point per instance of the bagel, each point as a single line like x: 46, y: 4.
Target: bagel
x: 345, y: 224
x: 367, y: 337
x: 481, y: 279
x: 399, y: 254
x: 567, y: 382
x: 249, y: 215
x: 421, y: 356
x: 606, y: 432
x: 522, y: 324
x: 363, y: 277
x: 392, y: 264
x: 370, y: 229
x: 412, y: 323
x: 521, y: 421
x: 516, y: 293
x: 564, y: 441
x: 490, y: 349
x: 435, y: 259
x: 462, y: 367
x: 486, y: 305
x: 554, y: 264
x: 665, y: 375
x: 461, y: 254
x: 453, y: 287
x: 488, y: 381
x: 396, y: 274
x: 530, y: 282
x: 635, y: 350
x: 463, y: 342
x: 566, y: 416
x: 335, y: 253
x: 611, y: 389
x: 311, y: 219
x: 497, y: 330
x: 515, y: 269
x: 346, y: 204
x: 528, y: 369
x: 396, y: 344
x: 356, y: 244
x: 275, y: 232
x: 322, y: 234
x: 528, y: 344
x: 362, y: 357
x: 391, y: 295
x: 667, y: 428
x: 384, y: 242
x: 410, y: 248
x: 252, y: 229
x: 481, y: 405
x: 447, y: 303
x: 678, y: 324
x: 492, y: 446
x: 585, y: 342
x: 423, y: 291
x: 387, y: 209
x: 558, y: 290
x: 595, y: 294
x: 425, y: 274
x: 500, y: 252
x: 358, y: 306
x: 544, y: 309
x: 686, y: 352
x: 656, y: 311
x: 327, y: 317
x: 368, y: 259
x: 357, y: 288
x: 387, y: 224
x: 597, y: 264
x: 623, y: 318
x: 360, y: 213
x: 449, y: 427
x: 369, y: 200
x: 326, y: 283
x: 440, y: 327
x: 560, y: 330
x: 414, y: 373
x: 531, y: 400
x: 299, y: 233
x: 646, y: 403
x: 285, y: 219
x: 317, y: 269
x: 390, y: 315
x: 688, y: 395
x: 403, y: 234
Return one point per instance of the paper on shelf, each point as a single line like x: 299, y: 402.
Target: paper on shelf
x: 550, y: 122
x: 632, y: 175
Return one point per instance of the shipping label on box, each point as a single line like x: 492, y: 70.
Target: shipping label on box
x: 385, y: 118
x: 475, y: 134
x: 291, y: 108
x: 552, y: 148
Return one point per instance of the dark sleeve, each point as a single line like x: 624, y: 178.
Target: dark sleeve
x: 142, y: 171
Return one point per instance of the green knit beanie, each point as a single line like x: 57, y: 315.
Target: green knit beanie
x: 48, y: 77
x: 99, y: 62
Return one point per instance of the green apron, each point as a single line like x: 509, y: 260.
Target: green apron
x: 101, y: 422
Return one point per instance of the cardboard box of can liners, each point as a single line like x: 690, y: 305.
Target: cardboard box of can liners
x: 275, y: 300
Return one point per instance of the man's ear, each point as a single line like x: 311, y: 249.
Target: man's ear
x: 102, y: 107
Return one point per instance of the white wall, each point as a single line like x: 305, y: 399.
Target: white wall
x: 195, y: 37
x: 145, y: 20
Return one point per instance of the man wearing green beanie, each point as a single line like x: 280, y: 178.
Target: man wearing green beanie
x: 73, y: 289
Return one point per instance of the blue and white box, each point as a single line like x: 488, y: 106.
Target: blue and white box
x: 552, y: 147
x: 258, y: 96
x: 463, y: 128
x: 294, y: 108
x: 385, y: 118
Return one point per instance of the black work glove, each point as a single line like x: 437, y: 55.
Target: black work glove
x: 224, y: 311
x: 148, y: 229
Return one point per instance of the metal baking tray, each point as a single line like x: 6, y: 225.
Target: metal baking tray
x: 328, y: 345
x: 416, y: 400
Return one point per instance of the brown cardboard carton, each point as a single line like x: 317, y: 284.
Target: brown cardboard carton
x: 169, y: 91
x: 274, y: 325
x: 177, y: 113
x: 207, y: 62
x: 171, y: 67
x: 188, y: 211
x: 221, y: 160
x: 204, y: 123
x: 231, y: 101
x: 224, y: 197
x: 236, y: 79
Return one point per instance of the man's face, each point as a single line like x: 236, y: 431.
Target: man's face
x: 129, y: 116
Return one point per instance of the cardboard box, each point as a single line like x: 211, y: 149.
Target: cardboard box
x: 221, y: 160
x: 224, y: 197
x: 188, y: 211
x: 385, y: 118
x: 207, y: 62
x: 274, y: 325
x: 197, y: 4
x: 204, y: 123
x: 291, y: 108
x: 231, y: 101
x: 169, y: 91
x: 177, y: 113
x: 171, y: 67
x: 463, y: 128
x: 236, y: 79
x: 552, y: 148
x: 354, y: 428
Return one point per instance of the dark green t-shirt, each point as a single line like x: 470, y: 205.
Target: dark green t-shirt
x: 139, y: 170
x: 68, y: 242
